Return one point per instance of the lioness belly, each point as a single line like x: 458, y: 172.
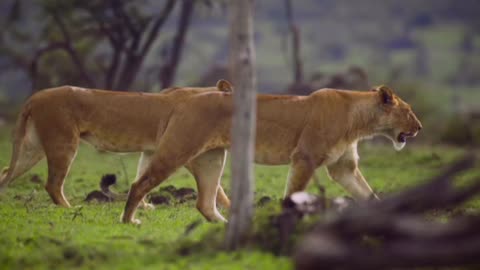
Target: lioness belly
x: 275, y: 149
x: 118, y: 143
x: 272, y: 156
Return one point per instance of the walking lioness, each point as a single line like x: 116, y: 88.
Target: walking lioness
x: 53, y: 122
x: 306, y: 132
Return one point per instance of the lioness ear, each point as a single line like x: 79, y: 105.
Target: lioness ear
x: 224, y: 86
x: 386, y: 94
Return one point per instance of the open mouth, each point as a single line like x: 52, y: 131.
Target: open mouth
x: 402, y: 137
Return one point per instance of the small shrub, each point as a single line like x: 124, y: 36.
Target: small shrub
x: 457, y: 131
x: 462, y: 130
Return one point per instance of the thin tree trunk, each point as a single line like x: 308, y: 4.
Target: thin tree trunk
x: 168, y: 71
x: 295, y: 32
x: 242, y: 59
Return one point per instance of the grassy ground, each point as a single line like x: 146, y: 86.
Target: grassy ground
x: 36, y: 234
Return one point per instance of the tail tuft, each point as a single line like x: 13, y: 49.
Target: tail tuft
x: 107, y: 181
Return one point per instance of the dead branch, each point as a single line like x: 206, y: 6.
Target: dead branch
x: 130, y: 38
x: 394, y: 233
x: 68, y: 46
x: 36, y: 58
x: 118, y: 9
x: 167, y: 72
x: 157, y: 24
x: 137, y: 50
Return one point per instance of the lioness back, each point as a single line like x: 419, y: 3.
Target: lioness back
x: 111, y: 121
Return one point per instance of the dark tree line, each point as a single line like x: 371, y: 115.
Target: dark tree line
x: 100, y: 44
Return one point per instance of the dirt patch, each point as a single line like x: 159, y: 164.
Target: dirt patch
x: 98, y: 196
x: 165, y: 195
x: 170, y: 194
x: 36, y: 179
x: 263, y: 201
x: 168, y: 189
x: 159, y: 199
x: 184, y: 194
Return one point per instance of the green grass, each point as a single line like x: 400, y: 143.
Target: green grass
x: 36, y: 234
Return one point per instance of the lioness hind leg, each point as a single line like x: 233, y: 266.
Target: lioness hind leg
x: 207, y: 169
x: 58, y: 167
x: 60, y: 155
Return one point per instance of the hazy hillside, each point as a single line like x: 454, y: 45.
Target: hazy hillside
x: 428, y: 41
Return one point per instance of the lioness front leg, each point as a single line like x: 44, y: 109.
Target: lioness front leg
x: 345, y: 171
x: 362, y: 181
x: 301, y: 170
x: 222, y: 198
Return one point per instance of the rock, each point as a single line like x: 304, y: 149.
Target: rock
x: 98, y: 196
x: 159, y: 199
x: 263, y: 201
x: 184, y: 194
x: 36, y: 179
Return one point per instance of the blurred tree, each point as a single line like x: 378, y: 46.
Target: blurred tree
x: 96, y: 43
x: 295, y: 33
x: 11, y: 31
x: 242, y: 59
x: 422, y: 68
x: 167, y: 73
x: 298, y: 85
x: 80, y: 28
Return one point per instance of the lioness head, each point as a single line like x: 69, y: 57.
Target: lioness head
x: 396, y: 119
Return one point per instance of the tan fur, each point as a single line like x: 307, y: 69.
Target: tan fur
x: 306, y: 132
x: 53, y: 122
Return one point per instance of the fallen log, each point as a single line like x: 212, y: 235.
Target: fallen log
x: 395, y: 233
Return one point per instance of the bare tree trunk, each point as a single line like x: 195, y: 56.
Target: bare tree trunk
x: 295, y: 32
x: 242, y: 58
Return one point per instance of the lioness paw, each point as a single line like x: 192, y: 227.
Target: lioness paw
x: 132, y: 220
x: 136, y: 221
x: 147, y: 206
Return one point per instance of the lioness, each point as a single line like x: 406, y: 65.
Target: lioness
x: 306, y: 132
x: 53, y: 122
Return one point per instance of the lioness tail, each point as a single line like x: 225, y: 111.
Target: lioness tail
x: 7, y: 174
